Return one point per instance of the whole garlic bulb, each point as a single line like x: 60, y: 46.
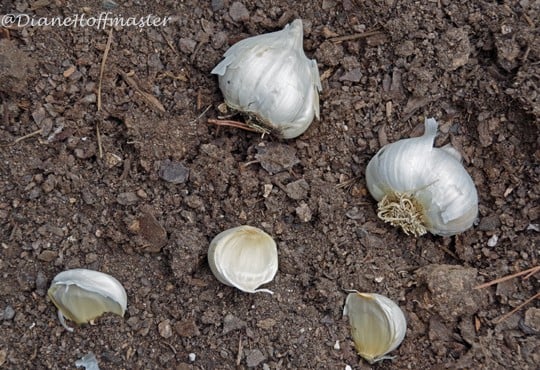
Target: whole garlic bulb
x: 244, y: 257
x: 270, y: 77
x: 421, y: 188
x: 82, y: 295
x: 378, y: 325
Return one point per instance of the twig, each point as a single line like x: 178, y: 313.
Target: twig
x: 355, y: 36
x: 28, y: 136
x: 507, y: 315
x: 200, y: 115
x: 528, y: 272
x: 239, y: 355
x: 102, y: 68
x: 236, y: 124
x: 149, y: 98
x: 100, y: 147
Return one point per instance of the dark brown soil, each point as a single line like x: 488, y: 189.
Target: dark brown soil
x: 139, y: 188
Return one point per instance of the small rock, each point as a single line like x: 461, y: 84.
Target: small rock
x: 47, y: 255
x: 275, y: 158
x: 232, y: 323
x: 90, y: 258
x: 153, y: 234
x: 3, y: 356
x: 254, y: 357
x: 9, y: 313
x: 298, y: 189
x: 127, y: 199
x: 187, y: 45
x: 454, y: 49
x: 532, y: 320
x: 304, y: 212
x: 89, y: 99
x: 266, y: 323
x: 41, y: 283
x: 492, y: 241
x: 217, y: 5
x: 192, y: 357
x: 173, y: 172
x: 89, y: 362
x: 112, y: 160
x: 165, y: 329
x: 354, y: 214
x: 489, y: 223
x: 353, y: 75
x: 187, y: 329
x: 49, y: 184
x: 452, y: 290
x: 238, y: 12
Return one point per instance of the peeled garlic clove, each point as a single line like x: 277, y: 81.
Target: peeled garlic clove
x: 82, y: 295
x: 244, y: 257
x: 378, y: 325
x: 270, y: 77
x: 421, y: 188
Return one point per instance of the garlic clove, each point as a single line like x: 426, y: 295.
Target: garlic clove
x: 421, y: 188
x: 244, y: 257
x: 378, y: 325
x: 270, y: 77
x: 83, y: 295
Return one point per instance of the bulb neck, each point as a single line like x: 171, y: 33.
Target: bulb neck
x: 403, y: 210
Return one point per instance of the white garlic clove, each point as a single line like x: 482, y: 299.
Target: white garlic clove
x: 421, y: 188
x: 83, y: 295
x: 378, y: 325
x: 244, y: 257
x: 270, y: 77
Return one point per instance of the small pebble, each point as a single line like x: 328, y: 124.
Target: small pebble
x: 9, y: 313
x: 493, y: 241
x: 238, y: 12
x: 192, y: 357
x: 254, y: 358
x: 165, y: 329
x: 173, y: 172
x: 127, y: 199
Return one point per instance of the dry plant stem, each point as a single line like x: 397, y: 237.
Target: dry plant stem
x: 401, y: 209
x: 507, y: 315
x: 100, y: 146
x: 236, y: 124
x: 37, y: 132
x: 355, y: 36
x: 529, y: 272
x: 102, y: 68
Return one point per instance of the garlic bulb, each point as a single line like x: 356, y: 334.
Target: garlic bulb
x: 378, y: 325
x: 422, y: 188
x: 82, y: 295
x: 270, y: 77
x: 244, y: 257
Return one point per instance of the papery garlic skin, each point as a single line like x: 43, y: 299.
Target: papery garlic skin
x: 422, y: 188
x: 378, y: 325
x: 270, y: 77
x: 82, y: 295
x: 244, y: 257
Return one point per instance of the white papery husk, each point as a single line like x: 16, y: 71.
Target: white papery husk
x: 270, y: 77
x: 82, y: 295
x: 432, y: 179
x: 378, y: 325
x: 244, y: 257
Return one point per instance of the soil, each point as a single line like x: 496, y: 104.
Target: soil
x: 138, y: 186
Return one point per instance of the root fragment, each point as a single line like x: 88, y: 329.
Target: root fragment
x: 402, y: 210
